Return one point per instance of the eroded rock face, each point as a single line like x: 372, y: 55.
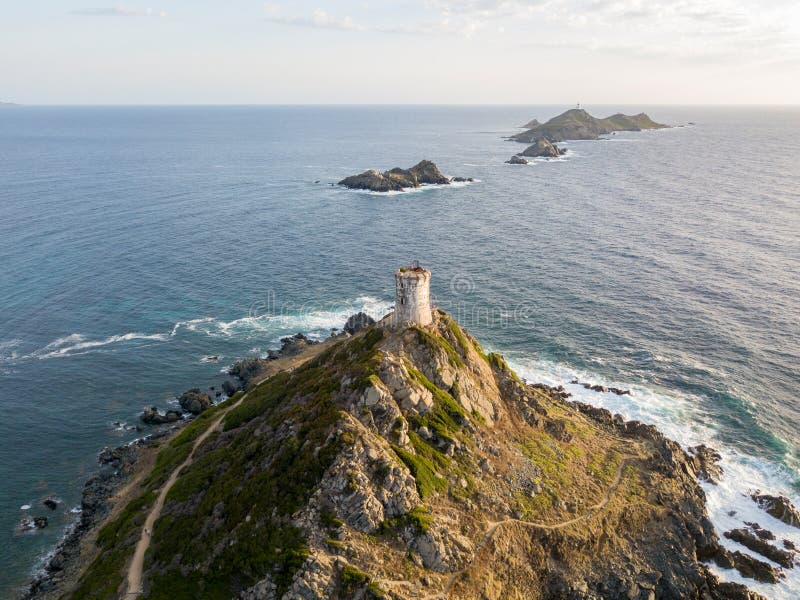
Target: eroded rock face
x: 194, y: 401
x: 367, y: 484
x: 779, y: 507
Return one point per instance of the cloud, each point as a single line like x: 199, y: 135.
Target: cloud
x: 118, y: 11
x: 318, y: 19
x: 681, y: 29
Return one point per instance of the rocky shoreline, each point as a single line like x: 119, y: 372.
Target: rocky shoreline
x: 355, y: 491
x: 117, y: 466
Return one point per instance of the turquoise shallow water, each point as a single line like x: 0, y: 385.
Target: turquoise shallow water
x: 136, y: 241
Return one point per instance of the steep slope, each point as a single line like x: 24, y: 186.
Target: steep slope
x: 577, y: 124
x: 408, y: 463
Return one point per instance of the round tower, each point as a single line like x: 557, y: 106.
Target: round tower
x: 413, y: 301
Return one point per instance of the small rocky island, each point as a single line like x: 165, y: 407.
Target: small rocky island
x: 574, y: 124
x: 424, y: 172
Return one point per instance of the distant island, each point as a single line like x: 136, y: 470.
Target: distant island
x: 574, y: 124
x: 8, y: 104
x: 424, y: 172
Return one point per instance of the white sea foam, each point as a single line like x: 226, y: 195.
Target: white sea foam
x: 78, y: 344
x: 25, y: 507
x: 680, y: 417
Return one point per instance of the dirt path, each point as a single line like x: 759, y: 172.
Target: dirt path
x: 494, y: 526
x: 137, y: 563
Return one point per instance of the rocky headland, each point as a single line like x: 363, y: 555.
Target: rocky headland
x: 410, y: 463
x: 575, y: 124
x: 396, y: 180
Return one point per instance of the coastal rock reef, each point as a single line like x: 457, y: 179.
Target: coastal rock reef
x: 424, y: 172
x: 409, y: 463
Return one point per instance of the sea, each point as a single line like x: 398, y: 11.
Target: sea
x: 145, y: 249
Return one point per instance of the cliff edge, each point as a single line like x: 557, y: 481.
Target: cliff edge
x: 409, y: 463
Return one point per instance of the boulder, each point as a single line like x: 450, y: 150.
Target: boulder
x: 357, y: 322
x: 151, y: 416
x: 50, y: 503
x: 779, y: 507
x: 229, y: 387
x: 461, y: 180
x: 194, y: 401
x: 517, y: 160
x: 543, y: 148
x: 295, y: 344
x: 249, y: 369
x: 40, y: 522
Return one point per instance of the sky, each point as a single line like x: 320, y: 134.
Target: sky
x: 404, y: 51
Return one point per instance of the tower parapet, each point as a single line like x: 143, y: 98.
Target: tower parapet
x: 413, y: 298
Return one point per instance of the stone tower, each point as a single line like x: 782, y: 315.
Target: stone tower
x: 413, y: 301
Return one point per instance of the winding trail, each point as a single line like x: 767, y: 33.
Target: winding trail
x: 137, y: 563
x: 494, y: 526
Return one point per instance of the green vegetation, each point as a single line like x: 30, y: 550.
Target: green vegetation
x: 445, y: 417
x: 438, y: 342
x: 423, y: 466
x: 352, y: 578
x: 418, y: 517
x: 226, y: 523
x: 116, y: 541
x: 554, y: 459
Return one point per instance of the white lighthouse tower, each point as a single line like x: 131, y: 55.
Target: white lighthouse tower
x: 413, y: 301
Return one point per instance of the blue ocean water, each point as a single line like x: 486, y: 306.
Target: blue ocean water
x: 134, y: 242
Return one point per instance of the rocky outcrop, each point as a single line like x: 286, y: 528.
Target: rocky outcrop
x: 779, y: 507
x: 64, y: 562
x: 753, y: 542
x: 543, y: 148
x: 577, y: 124
x: 152, y: 416
x: 423, y: 173
x: 194, y: 401
x: 517, y: 160
x: 295, y: 344
x: 408, y: 462
x: 706, y: 463
x: 357, y: 322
